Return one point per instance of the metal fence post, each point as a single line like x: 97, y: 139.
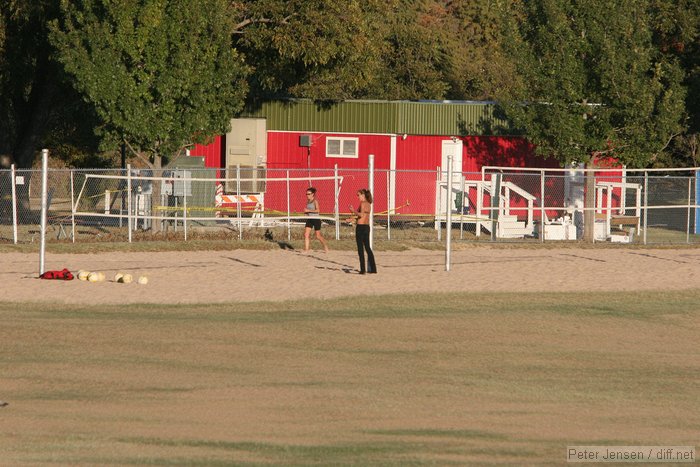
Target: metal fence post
x: 337, y: 201
x: 184, y: 205
x: 121, y: 199
x: 238, y: 201
x: 13, y: 176
x: 542, y: 228
x: 448, y: 226
x: 44, y: 207
x: 479, y: 203
x: 461, y: 206
x: 687, y: 228
x: 289, y: 213
x: 495, y: 204
x: 371, y: 205
x: 697, y: 202
x: 438, y: 223
x: 129, y: 220
x: 646, y: 203
x: 388, y: 208
x: 72, y: 206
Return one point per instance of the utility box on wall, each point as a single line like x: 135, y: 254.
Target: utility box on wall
x: 246, y: 142
x: 246, y: 145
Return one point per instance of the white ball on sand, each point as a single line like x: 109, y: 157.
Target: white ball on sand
x: 93, y: 277
x: 143, y: 280
x: 118, y: 276
x: 126, y: 279
x: 83, y: 275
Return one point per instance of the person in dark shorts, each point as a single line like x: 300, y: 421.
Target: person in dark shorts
x: 313, y: 220
x: 362, y: 231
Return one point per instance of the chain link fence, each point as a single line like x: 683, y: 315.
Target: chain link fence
x: 495, y: 205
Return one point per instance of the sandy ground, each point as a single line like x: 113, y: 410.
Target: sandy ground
x: 251, y: 275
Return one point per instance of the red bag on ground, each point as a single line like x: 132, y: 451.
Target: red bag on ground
x: 63, y: 274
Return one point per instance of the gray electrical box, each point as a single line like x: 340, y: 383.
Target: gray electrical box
x: 246, y: 142
x: 176, y: 186
x: 305, y: 141
x: 182, y: 187
x: 246, y: 146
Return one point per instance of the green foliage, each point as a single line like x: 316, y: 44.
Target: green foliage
x: 396, y: 49
x: 480, y: 67
x: 676, y: 34
x: 417, y: 53
x: 320, y: 49
x: 159, y: 73
x: 593, y: 82
x: 580, y: 78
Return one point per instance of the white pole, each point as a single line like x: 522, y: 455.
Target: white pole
x: 289, y: 213
x: 687, y: 227
x: 438, y: 224
x: 461, y: 206
x: 623, y: 191
x: 13, y: 177
x: 646, y: 206
x: 184, y: 206
x: 696, y: 227
x: 495, y: 209
x: 72, y: 205
x: 371, y: 206
x: 121, y: 201
x: 448, y: 226
x: 238, y: 201
x: 388, y: 208
x: 337, y: 202
x: 128, y: 199
x: 542, y: 232
x: 177, y: 205
x: 137, y: 205
x: 44, y: 207
x: 479, y: 204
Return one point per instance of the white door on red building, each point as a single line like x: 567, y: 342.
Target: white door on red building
x: 454, y: 148
x: 451, y: 147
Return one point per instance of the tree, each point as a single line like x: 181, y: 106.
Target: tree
x: 593, y: 83
x: 34, y: 97
x: 37, y: 104
x: 378, y: 49
x: 159, y: 73
x: 481, y: 69
x: 416, y: 52
x: 676, y: 26
x: 318, y: 49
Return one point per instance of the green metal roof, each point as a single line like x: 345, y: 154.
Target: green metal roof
x: 394, y: 117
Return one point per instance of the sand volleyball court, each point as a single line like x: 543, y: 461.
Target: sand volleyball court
x: 276, y: 275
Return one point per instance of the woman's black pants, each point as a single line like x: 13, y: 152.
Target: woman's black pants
x: 362, y: 238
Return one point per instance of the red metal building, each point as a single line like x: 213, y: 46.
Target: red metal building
x: 402, y: 136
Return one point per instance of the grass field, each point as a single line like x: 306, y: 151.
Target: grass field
x: 409, y: 380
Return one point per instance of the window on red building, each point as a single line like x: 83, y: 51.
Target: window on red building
x: 342, y: 147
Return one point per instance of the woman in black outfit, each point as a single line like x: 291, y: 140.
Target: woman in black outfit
x: 362, y: 231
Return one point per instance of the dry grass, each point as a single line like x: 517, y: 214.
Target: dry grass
x: 424, y: 379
